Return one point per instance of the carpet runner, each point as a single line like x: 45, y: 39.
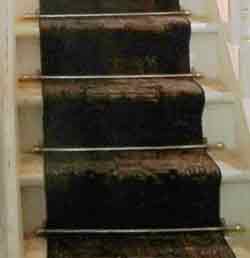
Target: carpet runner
x: 111, y: 6
x: 125, y: 45
x: 125, y: 189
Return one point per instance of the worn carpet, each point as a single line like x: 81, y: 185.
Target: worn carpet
x: 195, y: 245
x: 126, y: 189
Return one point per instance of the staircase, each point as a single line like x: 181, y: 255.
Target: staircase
x: 220, y: 123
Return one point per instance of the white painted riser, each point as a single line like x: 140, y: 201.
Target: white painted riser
x: 198, y: 7
x: 204, y: 56
x: 235, y: 190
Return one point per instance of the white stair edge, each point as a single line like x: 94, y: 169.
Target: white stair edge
x: 241, y: 249
x: 246, y: 107
x: 215, y: 93
x: 27, y: 29
x: 37, y: 248
x: 232, y: 169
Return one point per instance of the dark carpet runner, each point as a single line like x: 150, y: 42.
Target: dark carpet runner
x: 111, y: 6
x: 127, y: 45
x: 125, y: 190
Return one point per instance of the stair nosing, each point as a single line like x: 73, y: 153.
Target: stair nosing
x: 26, y: 97
x: 37, y: 181
x: 230, y: 174
x: 27, y: 29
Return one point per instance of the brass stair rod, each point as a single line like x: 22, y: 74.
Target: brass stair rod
x: 232, y: 228
x: 143, y: 148
x: 101, y: 77
x: 102, y: 15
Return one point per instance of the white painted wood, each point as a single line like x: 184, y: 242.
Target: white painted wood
x: 203, y: 49
x: 240, y: 247
x: 10, y: 224
x: 230, y: 61
x: 245, y: 18
x: 204, y: 8
x: 246, y: 107
x: 235, y: 21
x: 244, y: 66
x: 245, y: 48
x: 228, y: 19
x: 243, y: 131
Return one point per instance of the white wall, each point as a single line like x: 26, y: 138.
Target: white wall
x: 10, y: 244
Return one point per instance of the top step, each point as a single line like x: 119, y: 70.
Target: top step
x: 111, y: 6
x: 138, y: 45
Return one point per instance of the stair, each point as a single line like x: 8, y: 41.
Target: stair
x: 220, y: 103
x: 203, y: 30
x: 234, y: 176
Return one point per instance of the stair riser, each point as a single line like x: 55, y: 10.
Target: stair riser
x: 200, y: 7
x: 203, y: 54
x: 235, y: 206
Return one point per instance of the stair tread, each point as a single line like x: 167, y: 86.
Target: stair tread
x: 233, y: 168
x: 138, y: 23
x: 215, y: 92
x: 35, y: 247
x: 31, y: 28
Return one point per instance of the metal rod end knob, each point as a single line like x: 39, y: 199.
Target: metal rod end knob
x: 220, y: 145
x: 238, y: 228
x: 37, y: 149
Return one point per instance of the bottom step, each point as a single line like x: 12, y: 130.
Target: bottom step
x: 36, y: 247
x: 235, y: 190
